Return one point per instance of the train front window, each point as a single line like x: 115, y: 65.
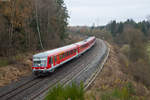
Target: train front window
x: 39, y: 62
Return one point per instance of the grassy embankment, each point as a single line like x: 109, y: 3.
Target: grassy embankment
x: 148, y: 48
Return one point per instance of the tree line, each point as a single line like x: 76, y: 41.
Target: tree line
x: 117, y: 28
x: 28, y: 25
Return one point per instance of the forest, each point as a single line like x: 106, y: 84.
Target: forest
x: 132, y: 41
x: 30, y: 25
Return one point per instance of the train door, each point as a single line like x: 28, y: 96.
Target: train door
x: 55, y: 60
x: 51, y: 60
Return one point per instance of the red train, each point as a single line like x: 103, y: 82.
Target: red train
x: 48, y: 61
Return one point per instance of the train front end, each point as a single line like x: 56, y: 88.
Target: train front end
x: 39, y: 65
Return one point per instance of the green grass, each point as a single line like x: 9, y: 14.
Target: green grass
x: 125, y: 93
x: 72, y: 92
x: 3, y: 62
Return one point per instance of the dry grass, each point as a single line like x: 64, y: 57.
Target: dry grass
x: 15, y: 70
x: 113, y: 77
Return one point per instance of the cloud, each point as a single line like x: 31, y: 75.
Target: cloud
x: 83, y: 12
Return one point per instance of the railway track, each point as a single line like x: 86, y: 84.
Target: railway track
x: 33, y: 88
x: 63, y: 79
x: 67, y: 78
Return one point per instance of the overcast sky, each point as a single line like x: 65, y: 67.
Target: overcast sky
x: 100, y: 12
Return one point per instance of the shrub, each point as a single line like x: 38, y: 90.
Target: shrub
x: 140, y: 70
x: 148, y: 49
x: 72, y: 92
x: 125, y: 93
x: 3, y: 62
x: 123, y: 60
x: 125, y: 49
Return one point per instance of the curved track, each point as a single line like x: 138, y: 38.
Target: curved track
x: 33, y: 87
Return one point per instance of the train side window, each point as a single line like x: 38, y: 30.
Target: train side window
x: 64, y: 55
x: 67, y: 53
x: 55, y: 58
x: 50, y: 62
x: 71, y: 52
x: 60, y: 57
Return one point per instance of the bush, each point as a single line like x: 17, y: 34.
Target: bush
x: 125, y: 93
x: 140, y: 71
x: 123, y: 60
x: 72, y: 92
x: 148, y: 49
x: 3, y: 62
x: 125, y: 49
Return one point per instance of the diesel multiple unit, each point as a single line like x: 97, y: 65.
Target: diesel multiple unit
x: 48, y: 61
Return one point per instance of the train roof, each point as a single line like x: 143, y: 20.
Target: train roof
x: 85, y: 41
x: 80, y: 43
x: 55, y: 51
x: 62, y: 49
x: 90, y: 38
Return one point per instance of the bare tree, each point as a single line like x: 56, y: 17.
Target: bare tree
x: 148, y: 18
